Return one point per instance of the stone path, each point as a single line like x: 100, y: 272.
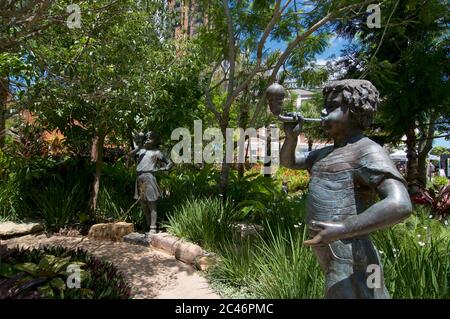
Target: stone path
x: 150, y: 273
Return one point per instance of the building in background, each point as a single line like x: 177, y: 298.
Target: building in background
x: 302, y: 95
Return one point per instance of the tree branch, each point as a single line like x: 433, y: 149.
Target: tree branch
x: 231, y: 58
x: 209, y: 102
x: 433, y: 137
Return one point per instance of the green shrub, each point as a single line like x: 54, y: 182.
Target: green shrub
x: 440, y: 181
x: 3, y: 166
x: 277, y: 267
x: 43, y: 189
x: 41, y: 273
x: 205, y: 221
x: 416, y: 257
x: 116, y: 197
x: 297, y: 180
x: 13, y: 207
x: 275, y: 263
x: 235, y: 271
x: 59, y: 204
x: 285, y: 268
x: 255, y: 196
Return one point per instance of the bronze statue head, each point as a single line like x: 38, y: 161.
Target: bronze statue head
x: 152, y: 140
x: 359, y: 98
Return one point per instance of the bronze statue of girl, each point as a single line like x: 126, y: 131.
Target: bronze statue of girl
x: 150, y: 160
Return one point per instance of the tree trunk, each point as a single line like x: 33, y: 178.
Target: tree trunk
x: 412, y: 173
x: 224, y: 178
x: 268, y: 154
x: 422, y: 168
x: 225, y: 170
x: 425, y: 146
x: 243, y: 123
x: 3, y: 99
x: 310, y: 145
x: 97, y: 157
x: 241, y: 166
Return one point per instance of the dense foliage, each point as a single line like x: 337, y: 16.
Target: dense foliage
x: 42, y: 273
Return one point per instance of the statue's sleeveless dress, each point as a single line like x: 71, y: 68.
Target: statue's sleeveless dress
x: 343, y: 183
x: 146, y: 187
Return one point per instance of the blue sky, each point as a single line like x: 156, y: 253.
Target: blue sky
x: 441, y: 142
x: 335, y: 47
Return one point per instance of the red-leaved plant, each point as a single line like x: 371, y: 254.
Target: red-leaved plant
x: 438, y: 198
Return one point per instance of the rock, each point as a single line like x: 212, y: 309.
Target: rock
x: 121, y: 229
x: 164, y: 241
x: 137, y: 239
x: 204, y: 263
x: 110, y: 231
x: 182, y: 250
x: 187, y: 252
x: 10, y: 229
x: 67, y: 232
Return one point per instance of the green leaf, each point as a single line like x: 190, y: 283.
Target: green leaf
x: 45, y: 262
x: 30, y: 268
x: 61, y: 264
x: 6, y: 270
x: 46, y: 291
x: 58, y: 283
x: 86, y: 293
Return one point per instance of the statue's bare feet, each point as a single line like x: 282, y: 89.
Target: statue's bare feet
x: 152, y: 231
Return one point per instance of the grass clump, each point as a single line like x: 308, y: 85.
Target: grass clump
x: 205, y: 221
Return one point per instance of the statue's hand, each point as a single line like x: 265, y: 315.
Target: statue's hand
x: 293, y: 129
x: 327, y: 232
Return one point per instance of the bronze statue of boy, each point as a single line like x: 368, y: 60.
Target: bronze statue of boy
x: 346, y: 178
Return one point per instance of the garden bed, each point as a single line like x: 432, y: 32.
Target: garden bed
x: 46, y: 273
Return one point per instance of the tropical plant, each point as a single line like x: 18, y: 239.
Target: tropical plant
x: 46, y: 276
x: 275, y: 265
x: 253, y: 194
x: 235, y: 269
x: 438, y: 198
x: 59, y: 204
x: 42, y: 273
x: 12, y: 204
